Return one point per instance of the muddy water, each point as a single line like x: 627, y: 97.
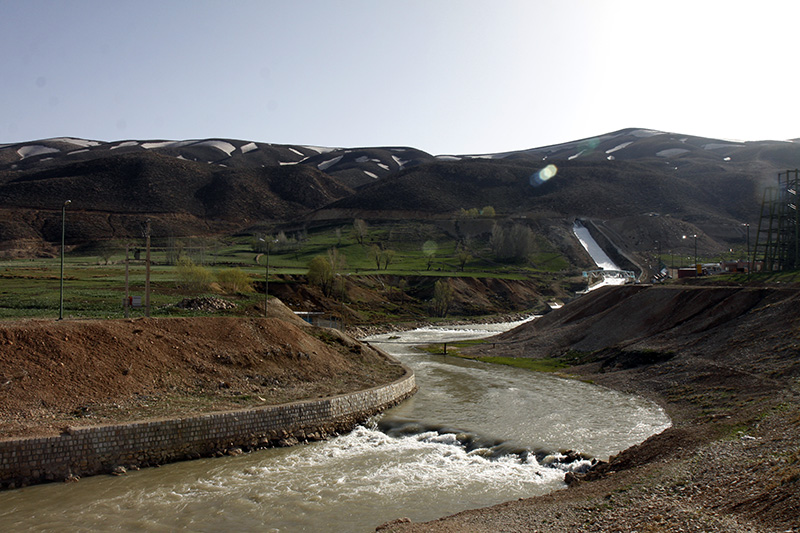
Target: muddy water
x: 474, y: 435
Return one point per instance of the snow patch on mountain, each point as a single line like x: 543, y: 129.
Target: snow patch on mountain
x: 166, y: 144
x: 646, y: 133
x: 32, y: 150
x: 83, y: 143
x: 319, y: 149
x: 718, y: 146
x: 619, y: 147
x: 325, y: 165
x: 370, y: 174
x: 249, y: 147
x: 400, y: 162
x: 222, y: 146
x: 672, y: 152
x: 125, y: 144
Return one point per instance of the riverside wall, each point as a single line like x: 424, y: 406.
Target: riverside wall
x: 114, y: 448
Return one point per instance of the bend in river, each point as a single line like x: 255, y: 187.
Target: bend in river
x: 474, y: 435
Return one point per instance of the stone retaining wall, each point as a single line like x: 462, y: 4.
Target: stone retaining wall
x: 106, y: 449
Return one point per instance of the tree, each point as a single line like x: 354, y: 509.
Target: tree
x: 513, y: 243
x: 429, y: 249
x: 375, y: 255
x: 488, y: 211
x: 338, y: 264
x: 320, y: 273
x: 429, y: 260
x: 442, y: 298
x: 468, y: 213
x: 360, y: 231
x: 105, y: 249
x: 282, y: 241
x: 262, y: 243
x: 338, y: 261
x: 175, y: 249
x: 463, y: 255
x: 386, y: 257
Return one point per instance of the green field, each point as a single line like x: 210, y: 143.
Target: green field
x: 94, y: 277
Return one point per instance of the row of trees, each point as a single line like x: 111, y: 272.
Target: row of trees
x: 474, y: 212
x: 512, y: 243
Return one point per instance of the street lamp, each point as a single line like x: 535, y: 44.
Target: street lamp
x: 63, y: 229
x: 695, y: 250
x: 266, y: 273
x: 749, y: 264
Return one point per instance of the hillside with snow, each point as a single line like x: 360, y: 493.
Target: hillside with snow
x: 645, y: 185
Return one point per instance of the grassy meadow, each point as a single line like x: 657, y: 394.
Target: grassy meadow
x: 94, y: 276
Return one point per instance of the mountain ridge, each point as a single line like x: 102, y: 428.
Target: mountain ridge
x: 207, y: 186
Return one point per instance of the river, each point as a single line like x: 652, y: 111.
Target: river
x: 467, y: 439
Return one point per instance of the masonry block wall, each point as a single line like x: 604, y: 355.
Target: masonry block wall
x: 103, y: 449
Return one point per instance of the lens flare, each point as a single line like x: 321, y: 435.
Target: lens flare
x: 548, y: 172
x: 429, y: 248
x: 541, y: 176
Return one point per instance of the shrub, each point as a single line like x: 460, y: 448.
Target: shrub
x: 191, y: 276
x: 234, y: 280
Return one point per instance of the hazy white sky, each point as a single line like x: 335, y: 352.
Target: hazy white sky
x: 444, y: 76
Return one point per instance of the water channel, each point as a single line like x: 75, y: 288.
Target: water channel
x: 466, y: 439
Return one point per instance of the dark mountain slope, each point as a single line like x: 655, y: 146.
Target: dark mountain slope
x: 141, y: 183
x: 113, y: 196
x: 580, y: 188
x: 695, y: 185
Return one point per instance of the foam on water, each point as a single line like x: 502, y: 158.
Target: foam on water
x: 474, y: 435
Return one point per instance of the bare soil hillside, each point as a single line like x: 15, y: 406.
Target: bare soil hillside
x: 73, y: 373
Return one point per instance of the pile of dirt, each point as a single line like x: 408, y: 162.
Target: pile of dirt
x: 54, y: 374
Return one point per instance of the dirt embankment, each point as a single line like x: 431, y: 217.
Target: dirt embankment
x: 376, y: 300
x: 73, y: 373
x: 725, y: 364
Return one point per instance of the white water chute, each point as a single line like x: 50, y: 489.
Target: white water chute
x: 608, y: 272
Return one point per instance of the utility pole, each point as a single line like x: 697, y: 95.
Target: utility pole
x: 749, y: 262
x: 63, y: 231
x: 147, y: 270
x: 126, y: 304
x: 268, y: 243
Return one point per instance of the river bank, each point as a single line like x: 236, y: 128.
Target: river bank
x: 70, y: 374
x: 723, y: 362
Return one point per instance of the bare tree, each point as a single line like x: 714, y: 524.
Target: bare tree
x: 360, y: 230
x: 513, y: 243
x: 387, y: 256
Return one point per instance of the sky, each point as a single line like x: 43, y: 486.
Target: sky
x: 443, y: 76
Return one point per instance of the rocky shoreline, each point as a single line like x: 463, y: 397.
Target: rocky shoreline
x: 729, y: 378
x: 360, y: 332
